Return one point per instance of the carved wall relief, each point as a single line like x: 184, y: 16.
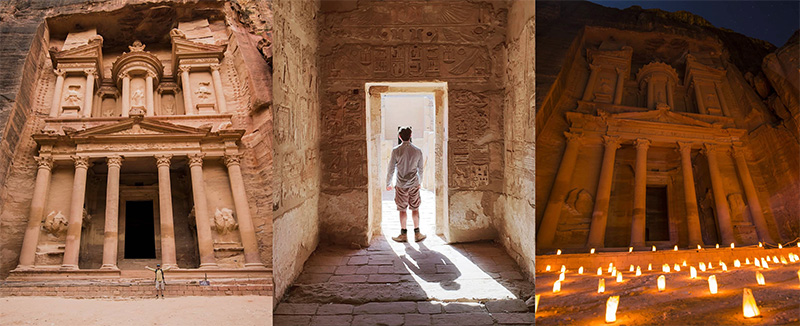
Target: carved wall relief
x: 55, y: 223
x: 223, y: 221
x: 71, y: 104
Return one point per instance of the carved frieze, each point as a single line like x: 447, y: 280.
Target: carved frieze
x: 410, y: 61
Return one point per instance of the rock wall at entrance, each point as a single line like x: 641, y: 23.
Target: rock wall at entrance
x: 516, y: 229
x: 457, y: 42
x: 296, y: 169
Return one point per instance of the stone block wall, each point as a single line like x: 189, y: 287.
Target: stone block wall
x: 457, y: 42
x: 516, y: 228
x: 296, y: 146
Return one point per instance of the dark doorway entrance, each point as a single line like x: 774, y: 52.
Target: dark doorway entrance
x: 140, y: 242
x: 656, y: 214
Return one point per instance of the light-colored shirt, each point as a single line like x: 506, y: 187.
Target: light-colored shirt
x: 407, y: 160
x: 159, y: 272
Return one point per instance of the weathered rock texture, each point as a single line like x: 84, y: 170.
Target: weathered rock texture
x: 761, y: 102
x: 296, y: 172
x: 516, y: 228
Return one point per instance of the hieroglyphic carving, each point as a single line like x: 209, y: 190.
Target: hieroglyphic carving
x: 346, y: 165
x: 470, y: 164
x: 406, y: 61
x: 344, y: 116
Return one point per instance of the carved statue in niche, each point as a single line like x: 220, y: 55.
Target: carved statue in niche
x: 137, y: 99
x: 739, y: 211
x: 223, y: 221
x: 137, y: 46
x: 605, y: 88
x: 73, y: 97
x: 202, y: 92
x: 578, y: 209
x: 168, y: 105
x: 86, y: 219
x: 55, y: 223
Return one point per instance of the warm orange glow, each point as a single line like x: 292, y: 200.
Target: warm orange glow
x: 677, y: 268
x: 630, y: 269
x: 558, y: 252
x: 580, y: 270
x: 561, y: 276
x: 758, y: 264
x: 798, y: 244
x: 684, y: 263
x: 760, y: 244
x: 649, y: 267
x: 798, y: 275
x: 547, y: 269
x: 638, y: 271
x: 749, y: 306
x: 692, y: 272
x: 760, y: 278
x: 591, y: 251
x: 710, y: 266
x: 780, y: 246
x: 662, y: 283
x: 614, y: 271
x: 698, y: 247
x: 676, y: 248
x: 775, y: 259
x: 610, y: 267
x: 718, y: 246
x: 630, y: 249
x: 747, y: 261
x: 599, y: 271
x: 536, y: 303
x: 619, y: 277
x: 563, y: 268
x: 764, y: 263
x: 557, y: 287
x: 731, y: 245
x: 601, y: 286
x: 737, y: 263
x: 654, y: 248
x: 611, y: 309
x: 665, y: 268
x: 769, y: 259
x: 712, y: 284
x: 703, y: 267
x: 724, y: 267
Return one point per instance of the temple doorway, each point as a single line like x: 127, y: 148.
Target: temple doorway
x: 140, y: 241
x: 657, y: 214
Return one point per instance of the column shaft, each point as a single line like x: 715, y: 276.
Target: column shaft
x: 638, y: 224
x: 126, y: 95
x: 219, y: 93
x: 670, y: 100
x: 27, y: 255
x: 88, y: 99
x: 187, y: 91
x: 587, y: 92
x: 692, y: 216
x: 701, y: 107
x: 246, y: 228
x: 204, y: 240
x: 168, y: 257
x: 148, y: 94
x: 55, y: 109
x: 547, y: 229
x: 111, y: 236
x: 651, y: 95
x: 720, y: 200
x: 73, y: 243
x: 597, y: 232
x: 752, y: 196
x: 620, y: 85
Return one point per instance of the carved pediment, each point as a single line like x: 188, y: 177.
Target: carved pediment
x: 88, y: 54
x: 183, y: 48
x: 662, y: 115
x: 136, y: 126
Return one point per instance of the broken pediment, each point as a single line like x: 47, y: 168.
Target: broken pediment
x: 184, y: 49
x: 138, y: 126
x: 89, y: 55
x: 662, y: 114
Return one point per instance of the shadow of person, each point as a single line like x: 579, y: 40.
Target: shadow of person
x: 432, y: 266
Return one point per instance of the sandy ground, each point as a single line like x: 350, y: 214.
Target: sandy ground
x: 685, y: 301
x: 194, y: 311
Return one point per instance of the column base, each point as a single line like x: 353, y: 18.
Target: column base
x: 109, y: 267
x: 254, y: 265
x: 68, y: 267
x: 209, y: 266
x: 170, y: 266
x: 23, y: 268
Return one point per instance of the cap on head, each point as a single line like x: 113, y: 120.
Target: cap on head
x: 158, y: 265
x: 405, y: 133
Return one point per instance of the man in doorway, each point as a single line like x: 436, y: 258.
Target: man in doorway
x: 407, y: 160
x: 159, y: 279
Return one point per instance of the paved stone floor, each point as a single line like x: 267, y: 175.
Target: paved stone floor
x: 427, y: 283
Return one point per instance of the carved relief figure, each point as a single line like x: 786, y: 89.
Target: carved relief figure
x: 137, y: 99
x: 202, y: 92
x: 55, y: 223
x: 73, y: 97
x: 168, y: 105
x: 223, y: 221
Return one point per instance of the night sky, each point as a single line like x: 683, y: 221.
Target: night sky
x: 772, y: 21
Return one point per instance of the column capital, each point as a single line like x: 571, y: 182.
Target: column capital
x: 90, y: 71
x: 215, y: 66
x: 620, y: 70
x: 611, y: 141
x: 642, y: 143
x: 124, y: 75
x: 232, y: 159
x: 114, y: 160
x: 196, y: 159
x: 81, y: 161
x: 165, y: 159
x: 738, y: 151
x: 151, y: 74
x: 594, y: 67
x: 44, y: 162
x: 684, y: 146
x: 59, y: 72
x: 184, y: 68
x: 573, y: 136
x: 709, y: 148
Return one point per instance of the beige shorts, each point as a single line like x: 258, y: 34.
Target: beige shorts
x: 160, y: 285
x: 407, y: 198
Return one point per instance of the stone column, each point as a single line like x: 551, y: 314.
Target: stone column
x: 55, y: 109
x: 639, y: 193
x: 651, y: 94
x: 73, y: 244
x: 692, y: 216
x: 723, y: 105
x: 547, y: 230
x: 157, y: 102
x: 168, y: 257
x: 752, y: 196
x: 701, y: 107
x: 720, y: 199
x: 187, y: 90
x: 597, y: 232
x: 670, y: 90
x: 587, y: 93
x: 111, y: 238
x: 205, y: 242
x: 620, y: 85
x: 219, y: 94
x: 148, y: 94
x: 126, y: 94
x: 27, y: 255
x: 88, y: 98
x: 251, y: 256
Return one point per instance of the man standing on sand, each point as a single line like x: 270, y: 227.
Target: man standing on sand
x: 407, y: 160
x: 159, y: 279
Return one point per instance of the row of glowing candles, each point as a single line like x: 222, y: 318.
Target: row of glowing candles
x: 630, y: 249
x: 750, y: 309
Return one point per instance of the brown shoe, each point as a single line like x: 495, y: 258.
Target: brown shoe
x: 418, y: 236
x: 403, y: 237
